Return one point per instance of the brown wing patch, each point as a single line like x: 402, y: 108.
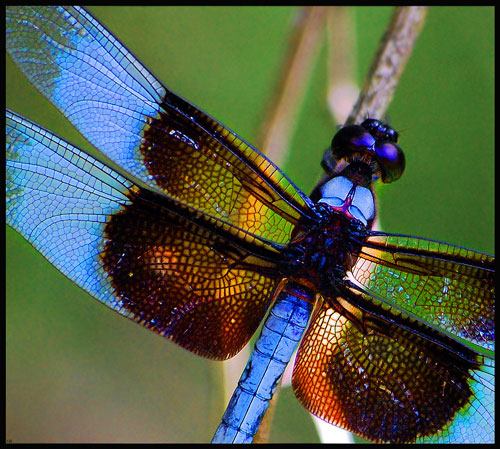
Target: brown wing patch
x: 198, y: 288
x: 197, y: 161
x: 384, y: 383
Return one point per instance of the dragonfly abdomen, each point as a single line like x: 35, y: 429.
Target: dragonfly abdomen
x: 282, y: 331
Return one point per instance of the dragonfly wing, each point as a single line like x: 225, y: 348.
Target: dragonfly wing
x: 158, y: 262
x: 447, y: 287
x: 227, y: 211
x: 165, y: 142
x: 387, y: 384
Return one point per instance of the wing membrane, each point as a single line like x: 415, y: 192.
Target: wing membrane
x: 447, y: 287
x: 386, y: 384
x: 162, y: 140
x: 155, y: 261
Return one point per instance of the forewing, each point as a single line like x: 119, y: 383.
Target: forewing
x: 166, y: 143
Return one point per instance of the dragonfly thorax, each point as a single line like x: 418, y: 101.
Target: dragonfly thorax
x: 319, y: 256
x: 344, y: 196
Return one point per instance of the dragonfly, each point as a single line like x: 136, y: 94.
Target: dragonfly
x: 145, y: 184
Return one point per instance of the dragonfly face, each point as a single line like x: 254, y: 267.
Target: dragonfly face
x: 402, y: 228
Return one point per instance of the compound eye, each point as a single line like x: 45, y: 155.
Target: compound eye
x: 391, y: 160
x: 350, y: 141
x: 392, y: 135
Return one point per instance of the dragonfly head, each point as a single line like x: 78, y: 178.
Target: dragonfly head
x: 373, y: 143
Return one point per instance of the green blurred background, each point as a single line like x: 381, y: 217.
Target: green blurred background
x: 77, y: 372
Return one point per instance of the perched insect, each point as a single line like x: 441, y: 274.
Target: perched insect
x: 239, y: 234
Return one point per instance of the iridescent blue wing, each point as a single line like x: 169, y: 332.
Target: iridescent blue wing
x: 219, y: 211
x: 163, y: 141
x: 165, y: 266
x: 59, y: 199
